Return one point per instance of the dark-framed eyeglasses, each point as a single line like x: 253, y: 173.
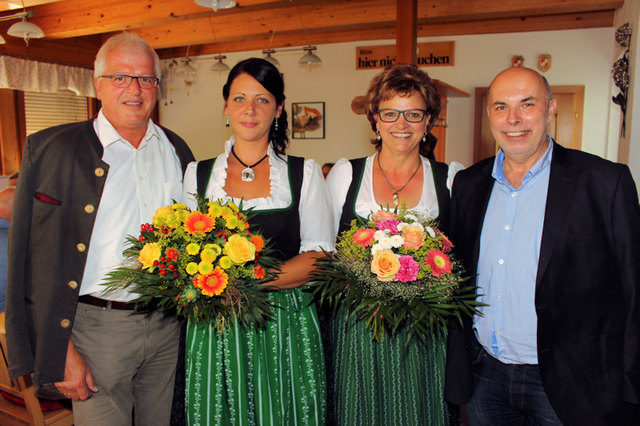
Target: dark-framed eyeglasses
x: 389, y: 115
x: 123, y: 80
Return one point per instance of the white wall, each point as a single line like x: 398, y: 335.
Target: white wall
x: 579, y: 57
x: 630, y: 13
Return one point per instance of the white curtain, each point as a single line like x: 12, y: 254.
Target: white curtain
x: 34, y: 76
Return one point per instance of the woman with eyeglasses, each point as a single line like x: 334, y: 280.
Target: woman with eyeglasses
x: 390, y: 382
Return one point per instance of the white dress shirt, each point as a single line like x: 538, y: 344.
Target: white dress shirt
x: 139, y: 181
x: 315, y: 207
x: 339, y: 180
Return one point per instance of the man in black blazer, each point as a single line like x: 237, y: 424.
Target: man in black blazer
x: 83, y: 188
x: 551, y: 236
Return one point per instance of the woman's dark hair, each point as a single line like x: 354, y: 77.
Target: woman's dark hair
x: 402, y: 80
x: 269, y: 77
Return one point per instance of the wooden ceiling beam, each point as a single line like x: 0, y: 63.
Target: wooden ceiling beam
x: 388, y: 32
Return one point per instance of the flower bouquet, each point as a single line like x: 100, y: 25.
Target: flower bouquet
x: 204, y: 265
x: 395, y: 270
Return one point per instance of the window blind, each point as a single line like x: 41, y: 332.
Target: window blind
x: 44, y: 110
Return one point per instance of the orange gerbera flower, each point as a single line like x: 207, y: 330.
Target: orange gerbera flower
x: 258, y: 241
x: 197, y: 222
x: 259, y: 272
x: 212, y: 284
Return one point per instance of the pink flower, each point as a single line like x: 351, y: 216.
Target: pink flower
x: 391, y: 225
x: 439, y: 262
x: 364, y: 237
x: 408, y: 269
x: 384, y: 215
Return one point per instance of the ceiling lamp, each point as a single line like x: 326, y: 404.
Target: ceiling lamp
x: 310, y: 58
x: 217, y: 4
x: 219, y: 66
x: 26, y: 30
x: 270, y: 58
x: 188, y: 72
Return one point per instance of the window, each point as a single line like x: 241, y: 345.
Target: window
x: 43, y: 110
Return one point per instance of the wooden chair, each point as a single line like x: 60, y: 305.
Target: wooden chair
x: 22, y: 387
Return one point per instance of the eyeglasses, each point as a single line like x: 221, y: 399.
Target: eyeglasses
x: 123, y: 80
x: 389, y: 115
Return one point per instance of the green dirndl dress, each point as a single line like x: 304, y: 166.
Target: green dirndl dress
x: 271, y: 376
x: 386, y: 382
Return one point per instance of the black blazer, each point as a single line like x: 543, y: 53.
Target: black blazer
x: 59, y: 190
x: 587, y: 295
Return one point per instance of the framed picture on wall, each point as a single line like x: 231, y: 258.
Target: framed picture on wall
x: 308, y: 120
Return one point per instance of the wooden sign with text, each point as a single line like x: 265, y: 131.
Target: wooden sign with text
x: 437, y: 54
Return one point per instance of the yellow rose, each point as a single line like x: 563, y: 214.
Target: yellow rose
x: 413, y: 236
x: 149, y: 253
x: 239, y: 249
x: 385, y: 265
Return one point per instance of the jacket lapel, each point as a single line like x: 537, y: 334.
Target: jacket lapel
x: 483, y: 194
x: 559, y: 196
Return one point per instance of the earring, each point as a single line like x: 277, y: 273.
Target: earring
x: 276, y: 125
x: 227, y: 124
x: 378, y: 135
x: 424, y: 138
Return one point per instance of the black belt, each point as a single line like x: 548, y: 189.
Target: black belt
x: 107, y: 304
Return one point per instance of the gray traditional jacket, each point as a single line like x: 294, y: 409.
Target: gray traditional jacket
x: 59, y: 191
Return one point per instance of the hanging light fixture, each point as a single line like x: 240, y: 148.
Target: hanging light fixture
x: 270, y: 58
x: 216, y: 4
x: 219, y: 66
x: 24, y: 29
x: 309, y: 58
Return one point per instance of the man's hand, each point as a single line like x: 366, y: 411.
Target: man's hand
x: 78, y: 382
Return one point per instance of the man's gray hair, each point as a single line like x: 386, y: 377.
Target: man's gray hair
x: 129, y: 40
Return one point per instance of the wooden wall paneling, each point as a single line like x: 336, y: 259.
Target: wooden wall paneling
x: 12, y: 130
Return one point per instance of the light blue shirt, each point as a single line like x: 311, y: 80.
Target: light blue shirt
x: 508, y: 263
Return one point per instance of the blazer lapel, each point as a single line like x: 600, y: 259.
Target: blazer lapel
x: 559, y: 195
x: 482, y: 194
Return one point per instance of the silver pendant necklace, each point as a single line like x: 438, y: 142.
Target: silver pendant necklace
x: 247, y: 173
x: 395, y: 198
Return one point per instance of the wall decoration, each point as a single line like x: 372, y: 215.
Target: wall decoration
x: 544, y: 63
x: 620, y: 72
x: 308, y: 120
x: 517, y: 60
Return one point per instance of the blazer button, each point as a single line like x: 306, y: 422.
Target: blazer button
x: 89, y: 208
x: 81, y: 247
x: 73, y: 284
x: 65, y: 323
x: 99, y: 172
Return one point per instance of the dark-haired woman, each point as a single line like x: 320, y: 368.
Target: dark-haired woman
x: 274, y: 375
x: 391, y: 382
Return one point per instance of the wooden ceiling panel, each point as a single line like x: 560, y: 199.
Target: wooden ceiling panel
x: 172, y: 25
